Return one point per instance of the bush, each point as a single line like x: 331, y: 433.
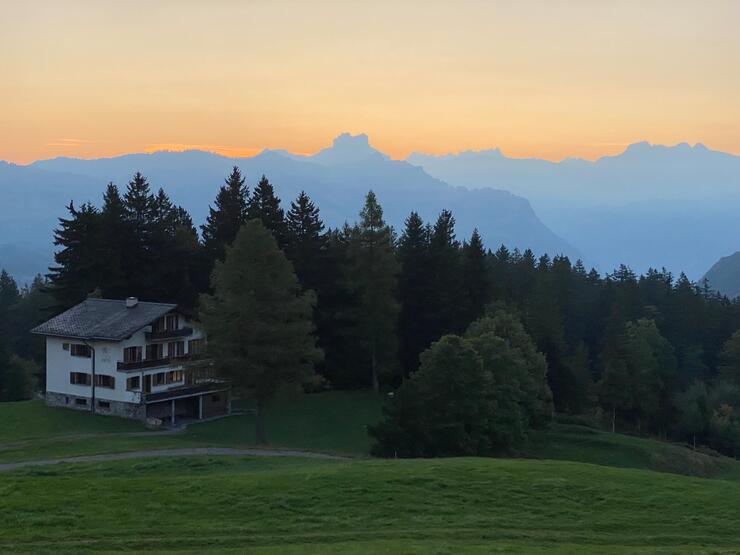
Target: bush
x: 472, y: 395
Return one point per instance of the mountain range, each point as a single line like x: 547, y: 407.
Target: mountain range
x: 651, y: 205
x: 337, y: 178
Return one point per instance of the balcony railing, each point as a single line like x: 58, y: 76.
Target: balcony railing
x: 151, y: 362
x: 168, y: 334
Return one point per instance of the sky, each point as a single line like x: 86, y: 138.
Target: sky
x: 547, y: 79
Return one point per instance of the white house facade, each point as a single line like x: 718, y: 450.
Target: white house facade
x: 132, y: 359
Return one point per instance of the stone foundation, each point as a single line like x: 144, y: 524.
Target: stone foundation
x: 115, y: 408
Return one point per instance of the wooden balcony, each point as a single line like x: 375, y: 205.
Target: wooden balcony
x: 168, y: 334
x: 151, y: 363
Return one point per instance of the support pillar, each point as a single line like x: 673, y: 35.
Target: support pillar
x: 172, y: 413
x: 200, y: 407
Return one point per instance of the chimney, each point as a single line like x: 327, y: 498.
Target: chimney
x: 131, y: 302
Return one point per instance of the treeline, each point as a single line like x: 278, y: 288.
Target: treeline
x: 639, y: 353
x: 21, y: 355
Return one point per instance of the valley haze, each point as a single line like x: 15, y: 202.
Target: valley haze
x: 652, y: 205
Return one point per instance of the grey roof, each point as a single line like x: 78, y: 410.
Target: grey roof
x: 105, y: 319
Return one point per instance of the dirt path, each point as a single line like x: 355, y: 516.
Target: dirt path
x: 191, y: 452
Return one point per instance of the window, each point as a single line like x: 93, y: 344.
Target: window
x: 104, y: 404
x: 196, y: 346
x: 80, y: 401
x: 174, y: 376
x: 169, y: 322
x: 160, y: 379
x: 133, y: 384
x: 132, y: 354
x: 176, y: 349
x: 172, y: 322
x: 155, y: 351
x: 101, y: 380
x: 79, y: 378
x: 79, y: 350
x: 215, y: 398
x: 65, y: 346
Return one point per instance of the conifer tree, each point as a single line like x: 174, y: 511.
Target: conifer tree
x: 117, y: 241
x: 447, y: 289
x: 226, y: 217
x: 76, y: 271
x: 475, y: 279
x: 415, y: 334
x: 265, y: 206
x: 375, y: 275
x: 305, y: 241
x: 258, y: 320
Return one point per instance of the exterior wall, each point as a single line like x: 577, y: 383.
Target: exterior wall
x: 60, y: 363
x: 117, y: 408
x: 215, y: 404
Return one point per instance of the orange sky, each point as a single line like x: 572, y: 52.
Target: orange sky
x: 535, y: 78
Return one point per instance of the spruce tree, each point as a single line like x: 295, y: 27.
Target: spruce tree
x: 265, y: 206
x: 117, y: 241
x: 226, y: 217
x: 305, y: 241
x: 376, y: 275
x: 415, y: 326
x: 258, y: 320
x: 77, y: 270
x: 475, y: 280
x: 447, y: 290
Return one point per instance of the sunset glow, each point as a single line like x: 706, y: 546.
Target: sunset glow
x: 535, y: 78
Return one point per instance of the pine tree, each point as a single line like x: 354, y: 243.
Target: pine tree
x: 258, y: 320
x: 337, y: 313
x: 305, y: 241
x: 414, y: 321
x: 117, y: 240
x: 226, y: 217
x: 9, y: 293
x: 139, y: 205
x: 446, y: 299
x: 174, y: 238
x: 265, y: 206
x: 730, y: 359
x: 375, y: 274
x: 475, y: 279
x: 77, y: 269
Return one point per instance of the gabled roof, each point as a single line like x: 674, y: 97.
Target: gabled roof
x: 104, y: 319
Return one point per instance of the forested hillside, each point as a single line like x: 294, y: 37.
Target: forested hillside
x: 651, y: 353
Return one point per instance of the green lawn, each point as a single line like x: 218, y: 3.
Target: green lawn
x: 579, y: 443
x: 359, y: 506
x: 333, y: 422
x: 30, y: 420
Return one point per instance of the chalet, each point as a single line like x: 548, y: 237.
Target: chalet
x: 132, y: 359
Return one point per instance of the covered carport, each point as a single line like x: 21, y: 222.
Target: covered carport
x: 188, y: 403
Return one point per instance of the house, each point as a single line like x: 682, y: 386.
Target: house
x: 132, y: 359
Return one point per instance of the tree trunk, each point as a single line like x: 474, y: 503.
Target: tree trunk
x: 259, y: 424
x: 694, y: 442
x: 374, y: 365
x: 614, y: 418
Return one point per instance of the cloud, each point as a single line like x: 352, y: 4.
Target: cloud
x: 68, y: 142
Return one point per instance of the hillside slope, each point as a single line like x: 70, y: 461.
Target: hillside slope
x: 410, y: 506
x: 724, y: 275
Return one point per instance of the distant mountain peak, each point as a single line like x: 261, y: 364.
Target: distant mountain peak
x: 348, y: 149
